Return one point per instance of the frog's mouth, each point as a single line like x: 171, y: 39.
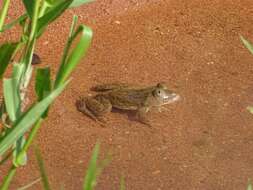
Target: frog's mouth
x: 171, y: 98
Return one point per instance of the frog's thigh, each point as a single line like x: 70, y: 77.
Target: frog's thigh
x: 99, y: 106
x: 82, y: 107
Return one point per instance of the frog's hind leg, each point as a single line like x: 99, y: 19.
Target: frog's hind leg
x: 81, y: 106
x: 95, y: 107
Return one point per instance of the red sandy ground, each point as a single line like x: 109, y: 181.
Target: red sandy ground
x: 205, y: 141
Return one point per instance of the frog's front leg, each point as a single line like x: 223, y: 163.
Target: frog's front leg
x: 141, y: 114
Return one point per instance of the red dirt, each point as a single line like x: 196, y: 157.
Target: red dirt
x: 205, y: 141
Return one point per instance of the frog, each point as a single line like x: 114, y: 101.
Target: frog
x: 126, y: 97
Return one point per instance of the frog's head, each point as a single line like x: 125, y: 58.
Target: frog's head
x: 163, y: 95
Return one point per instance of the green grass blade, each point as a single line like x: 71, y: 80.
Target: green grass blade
x: 247, y: 44
x: 43, y: 173
x: 28, y: 119
x: 12, y: 98
x: 77, y: 53
x: 43, y: 83
x: 91, y: 175
x: 51, y: 15
x: 8, y: 178
x: 122, y: 183
x: 250, y: 109
x: 29, y: 6
x: 77, y: 3
x: 3, y: 13
x: 249, y: 187
x: 29, y: 184
x: 22, y: 159
x: 6, y: 52
x: 13, y: 23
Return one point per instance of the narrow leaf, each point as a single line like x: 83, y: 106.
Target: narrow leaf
x: 91, y: 175
x: 19, y: 144
x: 29, y: 5
x: 42, y: 169
x: 43, y: 84
x: 250, y: 109
x: 6, y: 52
x: 28, y: 119
x: 77, y: 3
x: 51, y: 15
x: 75, y: 56
x: 13, y: 23
x: 12, y: 98
x: 122, y: 183
x: 249, y: 185
x: 248, y: 45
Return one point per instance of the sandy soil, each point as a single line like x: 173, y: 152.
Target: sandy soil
x: 205, y: 141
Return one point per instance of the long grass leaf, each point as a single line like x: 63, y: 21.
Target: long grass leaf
x: 43, y: 173
x: 13, y: 23
x: 122, y: 183
x: 247, y: 44
x: 249, y: 187
x: 12, y: 98
x: 22, y: 159
x: 6, y: 52
x: 77, y: 3
x: 3, y: 13
x: 29, y: 6
x: 91, y: 175
x: 7, y: 179
x: 77, y: 53
x: 28, y: 119
x: 51, y: 15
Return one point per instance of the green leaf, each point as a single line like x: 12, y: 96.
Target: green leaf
x: 43, y: 84
x: 3, y: 12
x: 249, y: 185
x: 91, y: 175
x: 12, y: 98
x: 6, y: 51
x: 51, y: 15
x: 42, y: 169
x: 29, y: 5
x: 250, y: 109
x: 75, y: 56
x: 18, y: 147
x: 19, y: 20
x: 122, y: 183
x: 247, y: 44
x: 77, y: 3
x: 25, y: 122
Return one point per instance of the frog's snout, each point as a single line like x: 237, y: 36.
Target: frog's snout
x: 171, y: 98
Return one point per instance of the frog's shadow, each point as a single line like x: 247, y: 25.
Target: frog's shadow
x: 131, y: 114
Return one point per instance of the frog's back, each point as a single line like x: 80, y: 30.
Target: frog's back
x: 128, y: 99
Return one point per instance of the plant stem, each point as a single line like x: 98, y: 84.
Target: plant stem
x: 8, y: 178
x: 3, y: 13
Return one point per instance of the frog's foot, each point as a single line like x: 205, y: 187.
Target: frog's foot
x: 81, y: 106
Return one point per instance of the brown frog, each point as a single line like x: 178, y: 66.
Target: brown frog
x: 124, y: 97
